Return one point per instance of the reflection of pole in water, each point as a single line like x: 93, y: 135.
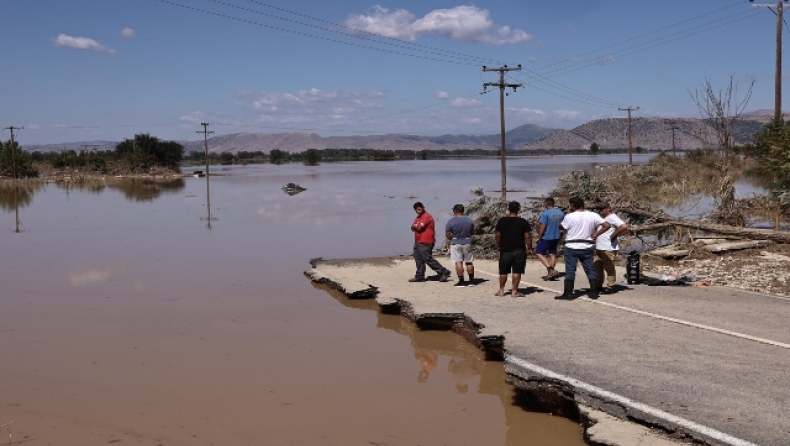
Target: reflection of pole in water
x: 16, y: 206
x: 208, y: 203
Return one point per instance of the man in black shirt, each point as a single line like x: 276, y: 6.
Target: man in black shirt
x: 514, y: 241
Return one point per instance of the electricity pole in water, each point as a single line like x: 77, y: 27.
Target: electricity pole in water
x: 205, y: 133
x: 673, y: 127
x: 778, y: 81
x: 630, y: 139
x: 502, y: 85
x: 13, y: 146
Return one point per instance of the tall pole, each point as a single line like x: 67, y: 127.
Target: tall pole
x: 778, y: 80
x: 630, y: 139
x: 205, y: 133
x: 673, y: 127
x: 502, y: 85
x: 13, y: 146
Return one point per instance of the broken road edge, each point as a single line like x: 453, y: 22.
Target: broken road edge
x: 606, y: 419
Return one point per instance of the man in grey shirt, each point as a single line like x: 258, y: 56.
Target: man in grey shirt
x: 459, y: 230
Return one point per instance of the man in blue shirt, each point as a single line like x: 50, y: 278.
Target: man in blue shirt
x: 549, y: 235
x: 459, y: 231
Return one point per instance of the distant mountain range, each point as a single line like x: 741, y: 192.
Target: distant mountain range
x: 611, y: 133
x: 650, y: 133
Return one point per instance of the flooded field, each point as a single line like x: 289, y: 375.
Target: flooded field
x: 129, y: 316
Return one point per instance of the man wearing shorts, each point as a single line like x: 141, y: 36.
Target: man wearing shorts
x: 459, y: 230
x: 514, y: 241
x: 549, y: 235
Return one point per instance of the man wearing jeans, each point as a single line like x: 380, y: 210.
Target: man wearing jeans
x: 581, y: 229
x: 424, y: 238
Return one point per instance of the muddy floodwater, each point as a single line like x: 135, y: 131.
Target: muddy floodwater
x: 128, y: 316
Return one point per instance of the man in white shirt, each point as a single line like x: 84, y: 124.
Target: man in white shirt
x: 606, y: 246
x: 581, y: 229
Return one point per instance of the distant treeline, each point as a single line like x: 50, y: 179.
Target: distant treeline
x: 141, y: 154
x: 313, y: 156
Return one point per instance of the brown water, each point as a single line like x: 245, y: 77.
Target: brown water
x: 124, y: 319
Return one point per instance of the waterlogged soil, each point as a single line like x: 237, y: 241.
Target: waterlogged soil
x: 146, y: 318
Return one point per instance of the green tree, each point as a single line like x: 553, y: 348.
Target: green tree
x: 146, y: 151
x: 277, y: 156
x: 771, y: 150
x: 594, y: 148
x: 24, y: 162
x: 226, y: 158
x: 311, y: 157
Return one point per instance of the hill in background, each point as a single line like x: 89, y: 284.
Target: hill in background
x: 649, y: 133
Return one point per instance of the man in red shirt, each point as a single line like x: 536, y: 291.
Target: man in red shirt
x: 424, y: 229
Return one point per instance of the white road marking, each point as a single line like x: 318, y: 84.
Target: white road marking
x: 670, y: 319
x: 652, y: 411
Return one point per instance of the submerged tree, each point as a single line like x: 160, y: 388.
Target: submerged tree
x: 146, y: 151
x: 720, y: 109
x: 311, y: 157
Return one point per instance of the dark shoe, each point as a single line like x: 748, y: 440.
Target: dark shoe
x: 417, y: 279
x: 567, y: 293
x: 444, y: 278
x: 553, y: 275
x: 593, y: 290
x: 460, y: 284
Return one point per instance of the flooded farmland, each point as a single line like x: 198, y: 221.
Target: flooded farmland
x: 133, y: 315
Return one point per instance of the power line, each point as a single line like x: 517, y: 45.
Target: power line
x: 648, y: 45
x: 738, y: 2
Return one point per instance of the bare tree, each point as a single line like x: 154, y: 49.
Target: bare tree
x: 720, y: 109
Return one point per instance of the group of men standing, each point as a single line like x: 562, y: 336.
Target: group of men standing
x: 591, y: 239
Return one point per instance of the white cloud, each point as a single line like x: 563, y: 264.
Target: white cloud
x: 442, y: 95
x: 466, y: 103
x: 471, y: 121
x: 82, y: 43
x: 127, y: 32
x: 396, y: 24
x: 463, y: 23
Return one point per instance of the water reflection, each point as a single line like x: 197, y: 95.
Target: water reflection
x: 139, y: 190
x: 16, y: 195
x: 472, y: 376
x: 208, y: 218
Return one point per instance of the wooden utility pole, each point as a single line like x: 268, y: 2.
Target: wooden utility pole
x: 502, y: 85
x: 779, y: 11
x: 630, y: 139
x: 205, y: 133
x: 13, y: 146
x: 673, y: 127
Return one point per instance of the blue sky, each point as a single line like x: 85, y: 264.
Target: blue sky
x: 83, y: 70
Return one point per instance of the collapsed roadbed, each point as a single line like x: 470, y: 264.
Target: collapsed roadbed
x: 646, y: 365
